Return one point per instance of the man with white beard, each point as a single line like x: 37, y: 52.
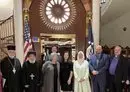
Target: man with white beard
x: 11, y: 71
x: 31, y: 73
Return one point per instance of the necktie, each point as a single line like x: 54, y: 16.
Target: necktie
x: 98, y: 58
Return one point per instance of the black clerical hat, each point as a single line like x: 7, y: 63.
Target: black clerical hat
x: 11, y: 47
x: 31, y: 52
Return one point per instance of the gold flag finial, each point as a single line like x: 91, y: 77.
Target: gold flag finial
x: 89, y: 15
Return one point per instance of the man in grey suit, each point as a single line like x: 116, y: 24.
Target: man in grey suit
x: 98, y: 67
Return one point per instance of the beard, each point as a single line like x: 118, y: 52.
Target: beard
x: 12, y: 57
x: 32, y: 61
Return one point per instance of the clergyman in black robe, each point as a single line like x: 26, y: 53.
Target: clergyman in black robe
x: 11, y: 71
x: 31, y: 72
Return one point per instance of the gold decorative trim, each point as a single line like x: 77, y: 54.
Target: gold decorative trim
x: 62, y: 26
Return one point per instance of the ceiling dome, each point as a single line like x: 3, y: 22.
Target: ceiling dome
x: 57, y: 14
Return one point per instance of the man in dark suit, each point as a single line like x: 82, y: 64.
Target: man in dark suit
x: 98, y: 66
x: 128, y: 58
x: 117, y: 70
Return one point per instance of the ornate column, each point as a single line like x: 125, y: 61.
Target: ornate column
x: 96, y: 21
x: 18, y: 26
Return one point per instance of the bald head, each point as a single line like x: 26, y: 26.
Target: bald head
x: 98, y: 49
x: 117, y: 50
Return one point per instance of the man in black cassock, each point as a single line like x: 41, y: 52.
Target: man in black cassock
x: 11, y: 71
x: 31, y: 73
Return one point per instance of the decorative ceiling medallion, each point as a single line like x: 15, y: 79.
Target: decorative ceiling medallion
x: 57, y: 14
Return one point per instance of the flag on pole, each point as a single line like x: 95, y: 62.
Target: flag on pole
x: 27, y: 38
x: 90, y: 49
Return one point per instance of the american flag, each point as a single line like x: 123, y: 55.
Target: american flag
x: 27, y: 38
x: 90, y: 49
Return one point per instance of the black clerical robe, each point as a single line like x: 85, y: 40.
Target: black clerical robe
x: 11, y: 70
x: 31, y: 73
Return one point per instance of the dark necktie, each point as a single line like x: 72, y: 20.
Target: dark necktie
x: 98, y: 58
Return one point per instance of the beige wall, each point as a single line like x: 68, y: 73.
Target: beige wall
x: 113, y: 34
x: 6, y: 9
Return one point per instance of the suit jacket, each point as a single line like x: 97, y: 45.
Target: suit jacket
x: 102, y: 65
x: 128, y: 68
x: 121, y: 71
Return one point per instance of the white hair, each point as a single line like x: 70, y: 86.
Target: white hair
x: 52, y: 55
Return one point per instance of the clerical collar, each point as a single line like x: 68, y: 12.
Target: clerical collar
x: 116, y: 56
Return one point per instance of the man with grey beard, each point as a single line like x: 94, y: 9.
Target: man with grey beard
x: 11, y: 71
x: 31, y: 73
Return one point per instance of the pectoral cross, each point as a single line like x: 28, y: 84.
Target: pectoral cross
x: 32, y: 76
x: 14, y: 70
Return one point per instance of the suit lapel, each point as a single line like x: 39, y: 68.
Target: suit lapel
x: 95, y: 60
x: 119, y: 63
x: 100, y: 59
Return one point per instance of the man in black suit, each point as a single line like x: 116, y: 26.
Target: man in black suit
x: 117, y: 70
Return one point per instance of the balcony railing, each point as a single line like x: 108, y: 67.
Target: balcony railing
x: 6, y: 35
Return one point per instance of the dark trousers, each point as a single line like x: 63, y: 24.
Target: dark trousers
x: 98, y: 85
x: 128, y: 88
x: 115, y: 86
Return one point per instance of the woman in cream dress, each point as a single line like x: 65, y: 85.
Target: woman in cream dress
x: 81, y: 74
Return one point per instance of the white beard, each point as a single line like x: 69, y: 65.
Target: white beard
x: 32, y: 62
x: 12, y: 57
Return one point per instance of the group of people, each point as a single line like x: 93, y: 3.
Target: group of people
x: 60, y: 74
